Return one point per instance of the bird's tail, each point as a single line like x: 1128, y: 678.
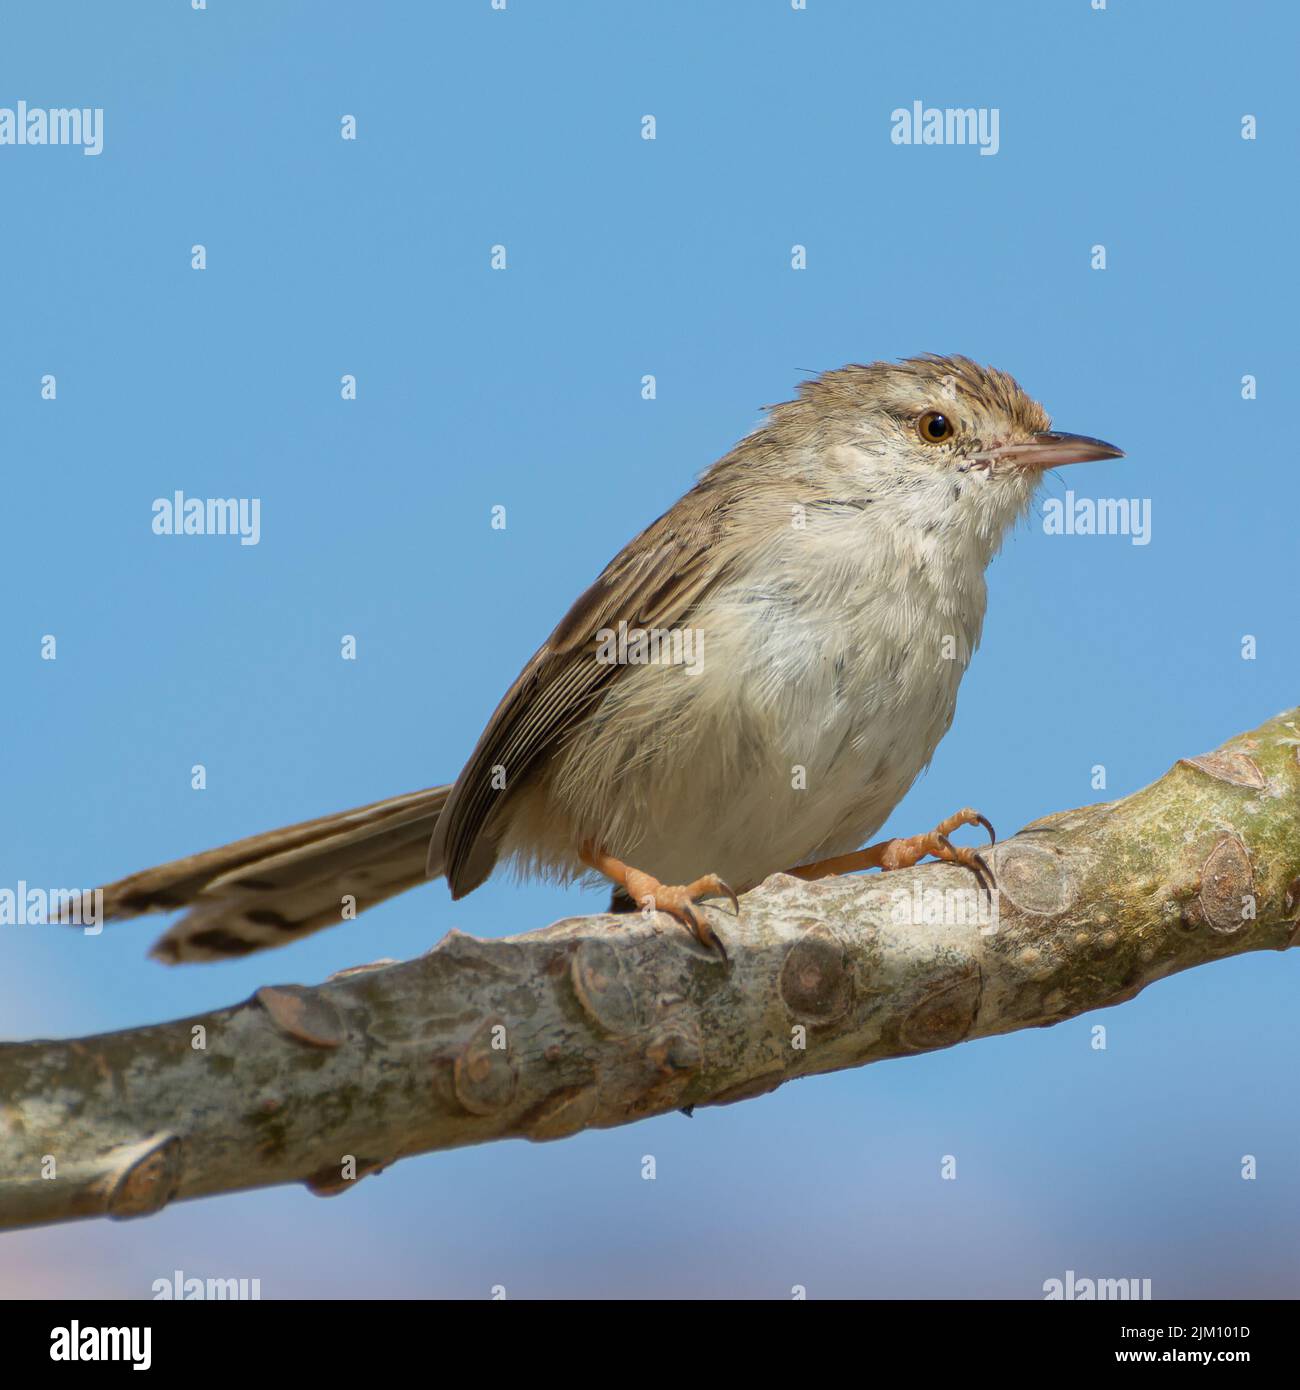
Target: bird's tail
x: 274, y: 888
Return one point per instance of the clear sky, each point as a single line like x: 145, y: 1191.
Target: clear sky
x: 522, y: 388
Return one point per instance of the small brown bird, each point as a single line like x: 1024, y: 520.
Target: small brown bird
x: 750, y: 686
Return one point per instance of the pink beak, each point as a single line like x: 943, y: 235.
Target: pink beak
x: 1050, y: 449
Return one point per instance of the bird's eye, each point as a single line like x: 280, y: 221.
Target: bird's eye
x: 934, y: 428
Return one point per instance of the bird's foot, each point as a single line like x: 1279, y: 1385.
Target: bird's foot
x: 903, y: 853
x: 677, y: 900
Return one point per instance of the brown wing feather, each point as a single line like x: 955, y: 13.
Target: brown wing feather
x: 656, y: 580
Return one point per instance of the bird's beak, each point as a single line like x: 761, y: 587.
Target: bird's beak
x: 1050, y: 449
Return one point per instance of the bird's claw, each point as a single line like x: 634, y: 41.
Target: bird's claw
x: 682, y: 902
x: 970, y: 859
x: 677, y: 900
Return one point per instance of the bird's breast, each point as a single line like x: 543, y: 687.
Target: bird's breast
x: 815, y: 695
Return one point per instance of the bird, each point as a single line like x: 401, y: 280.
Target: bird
x: 749, y: 687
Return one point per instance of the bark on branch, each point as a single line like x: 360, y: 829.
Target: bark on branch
x: 598, y: 1021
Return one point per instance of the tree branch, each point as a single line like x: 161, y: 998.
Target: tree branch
x: 598, y: 1021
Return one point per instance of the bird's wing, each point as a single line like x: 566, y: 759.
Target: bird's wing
x: 655, y: 581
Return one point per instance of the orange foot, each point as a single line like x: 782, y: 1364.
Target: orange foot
x: 677, y: 900
x: 902, y: 854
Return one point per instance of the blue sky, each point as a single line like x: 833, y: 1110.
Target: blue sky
x: 522, y: 388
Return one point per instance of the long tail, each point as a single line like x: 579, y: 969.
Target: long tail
x: 274, y: 888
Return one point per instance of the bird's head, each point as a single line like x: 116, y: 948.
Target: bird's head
x: 942, y: 434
